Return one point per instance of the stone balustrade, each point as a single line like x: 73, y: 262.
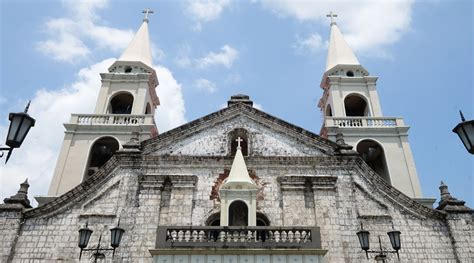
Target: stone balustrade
x: 363, y: 122
x: 111, y: 119
x: 237, y: 237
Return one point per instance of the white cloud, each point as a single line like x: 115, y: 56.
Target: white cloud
x: 368, y: 26
x: 37, y: 157
x: 203, y: 11
x: 258, y: 106
x: 171, y: 112
x: 205, y: 85
x: 311, y: 44
x: 71, y: 38
x: 226, y: 58
x: 52, y: 108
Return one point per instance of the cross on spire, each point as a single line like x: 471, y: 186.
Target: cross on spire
x: 332, y: 15
x: 239, y: 140
x: 146, y: 12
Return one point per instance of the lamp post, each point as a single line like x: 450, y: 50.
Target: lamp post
x: 465, y: 131
x: 98, y: 252
x: 381, y: 256
x: 20, y: 124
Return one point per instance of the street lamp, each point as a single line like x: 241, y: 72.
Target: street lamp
x: 20, y: 124
x: 98, y: 252
x: 465, y: 131
x: 394, y: 237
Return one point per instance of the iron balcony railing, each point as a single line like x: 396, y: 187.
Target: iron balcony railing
x: 237, y: 237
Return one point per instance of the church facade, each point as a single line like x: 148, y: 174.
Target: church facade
x: 237, y: 185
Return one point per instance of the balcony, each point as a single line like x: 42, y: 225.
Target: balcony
x: 194, y: 237
x: 111, y: 119
x: 363, y: 122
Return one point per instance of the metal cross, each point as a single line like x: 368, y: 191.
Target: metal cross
x: 239, y: 140
x: 332, y: 15
x: 146, y: 12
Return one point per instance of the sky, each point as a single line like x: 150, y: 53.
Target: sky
x: 51, y: 52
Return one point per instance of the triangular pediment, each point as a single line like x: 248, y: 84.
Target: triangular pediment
x: 267, y: 136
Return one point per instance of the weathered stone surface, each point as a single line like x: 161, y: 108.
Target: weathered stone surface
x: 171, y: 183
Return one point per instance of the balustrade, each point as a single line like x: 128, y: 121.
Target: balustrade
x: 111, y: 119
x: 356, y: 122
x: 209, y: 236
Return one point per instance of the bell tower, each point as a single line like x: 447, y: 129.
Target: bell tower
x: 125, y: 108
x: 351, y: 106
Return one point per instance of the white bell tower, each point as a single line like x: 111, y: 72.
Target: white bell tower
x: 125, y: 108
x: 351, y: 106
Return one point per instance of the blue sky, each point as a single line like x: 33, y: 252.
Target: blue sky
x: 204, y: 52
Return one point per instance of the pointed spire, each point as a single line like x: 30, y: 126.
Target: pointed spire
x: 339, y: 52
x: 239, y: 175
x: 139, y: 50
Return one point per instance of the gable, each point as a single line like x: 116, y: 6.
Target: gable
x: 212, y: 136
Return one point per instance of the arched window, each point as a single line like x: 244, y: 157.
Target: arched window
x: 238, y: 214
x: 355, y: 105
x: 121, y: 104
x: 100, y: 153
x: 373, y: 154
x: 233, y: 135
x: 328, y: 111
x: 350, y: 73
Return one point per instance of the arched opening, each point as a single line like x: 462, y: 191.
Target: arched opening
x: 214, y: 220
x: 328, y: 111
x: 355, y: 105
x: 128, y: 69
x: 233, y: 136
x: 350, y: 73
x: 100, y: 153
x: 148, y: 109
x: 262, y: 220
x: 238, y: 214
x: 121, y: 104
x: 373, y: 154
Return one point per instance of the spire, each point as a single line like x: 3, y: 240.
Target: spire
x: 139, y: 49
x: 339, y: 51
x: 239, y: 175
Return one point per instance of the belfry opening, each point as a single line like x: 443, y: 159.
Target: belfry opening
x: 373, y: 154
x: 100, y: 153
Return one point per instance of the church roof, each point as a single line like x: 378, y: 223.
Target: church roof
x: 339, y: 52
x: 139, y: 50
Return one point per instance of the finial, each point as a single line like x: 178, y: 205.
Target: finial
x: 239, y: 140
x: 462, y: 116
x: 27, y: 106
x: 146, y: 12
x: 444, y: 192
x: 332, y: 15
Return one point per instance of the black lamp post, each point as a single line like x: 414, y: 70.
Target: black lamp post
x: 20, y: 124
x: 98, y: 252
x: 394, y: 236
x: 465, y: 131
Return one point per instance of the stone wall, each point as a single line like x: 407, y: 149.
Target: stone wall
x: 334, y: 193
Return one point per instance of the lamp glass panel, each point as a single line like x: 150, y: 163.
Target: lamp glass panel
x: 466, y: 132
x: 395, y: 239
x: 15, y: 120
x: 363, y: 236
x: 24, y: 128
x: 116, y: 234
x: 84, y: 236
